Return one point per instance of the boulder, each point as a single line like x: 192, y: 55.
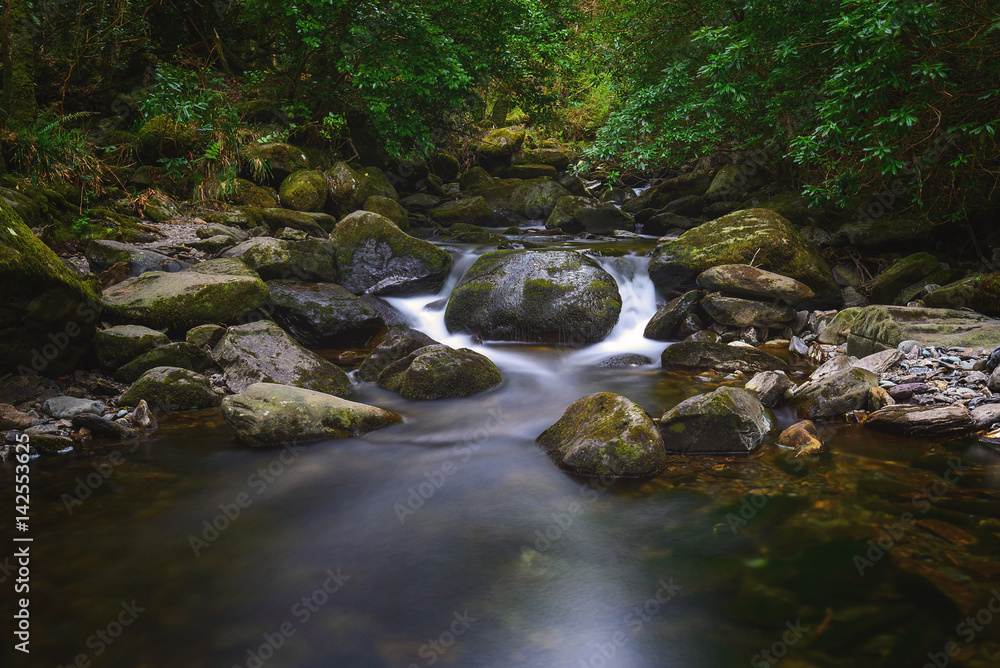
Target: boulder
x: 444, y: 164
x: 376, y: 257
x: 247, y: 193
x: 525, y: 171
x: 498, y: 146
x: 667, y: 321
x: 475, y: 179
x: 102, y: 254
x: 728, y: 421
x: 837, y: 330
x: 769, y: 387
x: 834, y: 395
x: 310, y: 260
x: 304, y: 190
x: 440, y: 372
x: 755, y: 236
x: 399, y: 341
x: 64, y: 408
x: 164, y: 137
x: 531, y: 200
x: 262, y: 352
x: 802, y: 436
x: 986, y: 416
x: 277, y: 220
x: 178, y: 301
x: 209, y: 230
x: 419, y: 203
x: 391, y: 209
x: 927, y: 421
x: 693, y: 355
x: 557, y: 158
x: 605, y: 434
x: 733, y: 181
x: 583, y: 214
x: 665, y: 223
x: 183, y: 355
x: 276, y: 158
x: 321, y: 315
x: 168, y: 388
x: 204, y: 335
x: 270, y: 414
x: 736, y: 312
x: 223, y: 266
x: 49, y: 315
x: 349, y: 189
x: 557, y: 297
x: 877, y: 328
x: 116, y: 346
x: 884, y: 234
x: 981, y: 293
x: 743, y: 280
x: 887, y: 285
x: 663, y: 193
x: 879, y: 363
x: 473, y: 210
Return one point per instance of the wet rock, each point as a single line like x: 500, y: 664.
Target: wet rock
x: 64, y: 408
x: 11, y: 418
x: 877, y: 328
x: 625, y: 361
x: 802, y: 436
x: 263, y: 352
x: 583, y: 214
x: 309, y: 260
x: 141, y: 417
x: 834, y: 395
x: 726, y: 421
x: 102, y: 427
x: 664, y: 326
x: 907, y: 271
x: 271, y: 414
x: 119, y: 345
x: 922, y: 421
x: 879, y: 363
x: 474, y: 211
x: 605, y: 434
x: 391, y: 209
x: 748, y: 282
x: 376, y: 257
x: 798, y: 347
x: 704, y: 336
x: 769, y: 387
x: 321, y: 314
x: 399, y: 342
x: 691, y: 355
x: 204, y: 335
x: 104, y: 254
x: 558, y: 297
x: 183, y: 355
x: 736, y: 312
x: 181, y: 300
x: 904, y: 391
x: 440, y: 372
x: 986, y: 416
x: 171, y: 389
x: 304, y: 190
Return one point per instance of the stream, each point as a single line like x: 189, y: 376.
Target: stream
x: 452, y: 540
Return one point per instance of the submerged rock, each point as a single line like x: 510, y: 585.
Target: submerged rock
x: 270, y: 414
x: 605, y: 434
x: 726, y: 421
x: 169, y: 388
x: 558, y: 297
x: 802, y: 436
x: 694, y: 355
x: 440, y: 372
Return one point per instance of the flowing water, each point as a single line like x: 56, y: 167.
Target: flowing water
x: 451, y: 539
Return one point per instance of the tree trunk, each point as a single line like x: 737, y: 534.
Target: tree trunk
x: 17, y: 42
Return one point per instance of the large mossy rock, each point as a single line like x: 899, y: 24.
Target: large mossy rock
x: 178, y: 301
x: 557, y: 297
x: 834, y: 395
x: 376, y: 257
x: 349, y: 188
x: 728, y: 421
x: 605, y: 434
x: 262, y: 352
x: 981, y: 293
x: 877, y: 328
x: 270, y: 414
x: 753, y: 236
x: 275, y: 158
x: 884, y: 234
x: 558, y: 158
x: 399, y: 341
x: 391, y: 209
x: 183, y: 355
x: 665, y: 192
x: 321, y: 315
x: 703, y: 355
x: 48, y: 315
x: 119, y: 345
x: 169, y: 388
x: 303, y: 190
x: 749, y: 282
x: 531, y: 200
x: 472, y: 211
x: 444, y: 165
x: 440, y: 372
x: 904, y: 273
x: 583, y: 214
x: 103, y: 254
x: 163, y: 137
x: 247, y: 193
x: 496, y: 149
x: 475, y: 179
x: 270, y: 258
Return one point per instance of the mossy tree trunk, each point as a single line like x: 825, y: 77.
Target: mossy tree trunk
x: 17, y: 41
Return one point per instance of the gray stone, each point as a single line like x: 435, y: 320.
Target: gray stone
x: 929, y: 421
x: 743, y: 280
x: 726, y: 421
x: 879, y: 363
x: 835, y: 395
x: 665, y: 325
x: 116, y: 346
x: 440, y: 372
x: 736, y: 312
x: 168, y: 388
x: 770, y: 387
x: 692, y: 355
x: 399, y: 342
x: 64, y: 408
x: 321, y: 314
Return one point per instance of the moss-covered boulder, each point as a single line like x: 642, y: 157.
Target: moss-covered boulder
x: 528, y: 172
x: 308, y: 260
x: 752, y: 236
x: 321, y: 315
x: 168, y: 388
x: 262, y: 352
x: 836, y: 332
x: 605, y: 434
x: 391, y: 209
x: 119, y: 345
x: 737, y: 312
x: 247, y: 193
x: 583, y: 214
x: 665, y: 192
x: 399, y: 341
x: 279, y: 219
x: 905, y: 272
x: 557, y: 297
x: 884, y: 234
x: 734, y: 181
x: 557, y: 158
x: 349, y: 188
x: 465, y: 233
x: 475, y: 179
x: 496, y: 149
x: 444, y: 165
x: 699, y: 356
x: 274, y: 158
x: 49, y: 315
x: 164, y: 137
x: 520, y: 201
x: 376, y: 257
x: 472, y: 210
x: 749, y: 282
x: 664, y: 325
x: 204, y: 335
x: 178, y: 301
x: 223, y: 266
x: 878, y: 328
x: 304, y: 190
x: 834, y: 395
x: 270, y: 414
x: 981, y: 293
x: 728, y: 421
x: 440, y: 372
x: 183, y: 355
x: 102, y: 254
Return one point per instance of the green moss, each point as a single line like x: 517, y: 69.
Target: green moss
x: 163, y: 137
x: 303, y: 190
